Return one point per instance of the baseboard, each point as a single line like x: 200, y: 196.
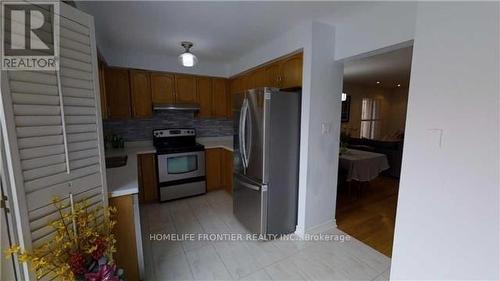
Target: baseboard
x: 320, y: 228
x: 300, y: 231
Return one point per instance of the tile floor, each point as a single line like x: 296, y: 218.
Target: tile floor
x: 244, y: 260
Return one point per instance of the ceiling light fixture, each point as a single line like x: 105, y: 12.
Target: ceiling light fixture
x: 378, y: 82
x: 399, y: 85
x: 187, y: 59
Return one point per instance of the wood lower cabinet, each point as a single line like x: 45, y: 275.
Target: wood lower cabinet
x: 205, y: 97
x: 213, y: 157
x: 140, y: 89
x: 117, y: 87
x: 219, y: 169
x: 124, y: 231
x: 148, y: 185
x: 162, y: 88
x: 227, y: 170
x: 185, y: 89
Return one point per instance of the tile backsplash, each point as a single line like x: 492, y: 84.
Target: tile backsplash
x: 141, y: 129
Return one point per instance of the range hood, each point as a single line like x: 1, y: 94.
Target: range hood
x: 177, y: 106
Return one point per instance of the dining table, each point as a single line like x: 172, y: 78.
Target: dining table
x: 362, y: 166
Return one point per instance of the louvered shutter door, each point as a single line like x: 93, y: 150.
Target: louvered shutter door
x: 55, y: 149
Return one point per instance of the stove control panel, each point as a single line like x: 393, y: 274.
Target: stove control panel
x: 168, y: 133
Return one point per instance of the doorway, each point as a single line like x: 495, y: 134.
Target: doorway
x: 374, y: 100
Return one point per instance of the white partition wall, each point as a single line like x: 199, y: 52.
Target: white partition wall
x: 447, y: 224
x: 53, y: 132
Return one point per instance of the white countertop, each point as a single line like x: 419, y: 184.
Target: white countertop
x: 217, y: 142
x: 124, y: 180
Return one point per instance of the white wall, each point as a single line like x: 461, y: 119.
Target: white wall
x: 325, y: 106
x: 162, y: 63
x: 294, y: 39
x: 373, y: 27
x: 447, y: 223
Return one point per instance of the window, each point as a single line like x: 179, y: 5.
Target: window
x: 182, y: 164
x: 370, y: 118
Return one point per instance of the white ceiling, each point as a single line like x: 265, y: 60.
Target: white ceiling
x: 389, y: 69
x: 220, y: 31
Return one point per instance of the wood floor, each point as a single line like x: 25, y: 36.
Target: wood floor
x: 369, y: 215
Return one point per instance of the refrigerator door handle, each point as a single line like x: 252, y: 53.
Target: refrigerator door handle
x: 248, y: 138
x: 243, y: 120
x: 250, y: 186
x: 240, y: 134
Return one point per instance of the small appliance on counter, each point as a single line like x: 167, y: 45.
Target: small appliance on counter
x: 180, y: 163
x: 114, y: 141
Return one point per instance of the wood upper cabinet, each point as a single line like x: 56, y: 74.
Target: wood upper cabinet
x: 260, y: 78
x: 146, y: 169
x: 273, y: 75
x: 213, y: 158
x: 162, y: 88
x: 291, y: 72
x: 140, y: 88
x: 117, y: 89
x: 220, y: 97
x: 102, y: 90
x: 236, y: 85
x: 205, y: 96
x: 185, y: 89
x: 247, y: 82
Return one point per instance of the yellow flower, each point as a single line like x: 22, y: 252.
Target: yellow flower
x: 40, y: 273
x: 12, y: 250
x: 91, y: 249
x: 52, y: 256
x: 39, y: 262
x: 58, y: 238
x: 24, y: 257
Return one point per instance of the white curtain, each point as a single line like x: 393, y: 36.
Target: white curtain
x: 370, y: 118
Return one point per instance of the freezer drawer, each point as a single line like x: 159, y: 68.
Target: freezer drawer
x: 250, y: 204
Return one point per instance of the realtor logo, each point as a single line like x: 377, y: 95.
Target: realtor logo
x: 30, y: 35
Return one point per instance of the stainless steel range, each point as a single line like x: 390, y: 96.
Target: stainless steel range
x: 180, y: 163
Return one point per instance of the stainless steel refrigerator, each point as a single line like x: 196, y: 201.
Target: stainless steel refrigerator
x: 266, y: 160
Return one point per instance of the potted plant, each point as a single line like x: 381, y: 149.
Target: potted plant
x: 82, y: 246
